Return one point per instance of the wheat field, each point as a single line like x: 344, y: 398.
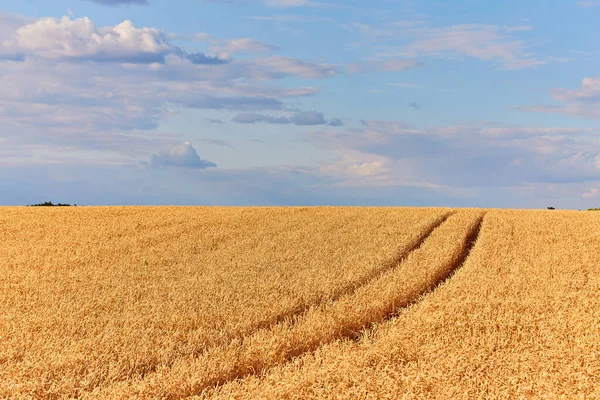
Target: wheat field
x: 347, y: 302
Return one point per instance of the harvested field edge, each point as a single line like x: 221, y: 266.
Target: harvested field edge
x: 211, y: 372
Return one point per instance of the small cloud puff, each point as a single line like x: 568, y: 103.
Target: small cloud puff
x: 183, y: 155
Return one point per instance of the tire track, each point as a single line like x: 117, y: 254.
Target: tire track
x: 445, y: 275
x: 353, y: 286
x: 295, y: 312
x: 380, y: 299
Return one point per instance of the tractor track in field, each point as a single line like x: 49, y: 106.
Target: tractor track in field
x: 290, y: 319
x: 446, y: 274
x: 355, y: 285
x: 439, y: 280
x: 304, y: 308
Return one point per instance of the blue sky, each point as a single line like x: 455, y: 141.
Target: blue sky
x: 300, y: 102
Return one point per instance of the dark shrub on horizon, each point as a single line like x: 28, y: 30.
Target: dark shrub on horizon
x: 50, y: 204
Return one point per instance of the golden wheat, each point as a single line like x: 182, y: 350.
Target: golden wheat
x: 521, y: 319
x: 90, y: 297
x: 421, y: 270
x: 298, y: 303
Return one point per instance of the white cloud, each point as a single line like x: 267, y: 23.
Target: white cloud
x: 588, y: 92
x: 355, y: 168
x: 9, y: 23
x: 117, y: 108
x: 591, y: 194
x: 490, y: 156
x: 81, y: 39
x: 583, y: 102
x: 183, y: 155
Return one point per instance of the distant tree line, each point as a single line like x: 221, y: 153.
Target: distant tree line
x: 50, y: 204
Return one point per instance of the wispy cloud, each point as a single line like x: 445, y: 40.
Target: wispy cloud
x: 282, y: 66
x: 304, y: 118
x: 395, y: 153
x: 290, y: 18
x: 485, y: 42
x: 246, y: 45
x: 582, y: 102
x: 274, y: 3
x: 587, y: 4
x: 217, y: 142
x: 121, y: 2
x: 518, y: 28
x: 383, y: 66
x: 113, y: 110
x: 414, y: 86
x: 479, y: 41
x: 293, y: 3
x: 406, y: 85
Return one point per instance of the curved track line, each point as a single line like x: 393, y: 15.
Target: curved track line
x: 446, y: 275
x: 304, y: 308
x: 439, y: 279
x: 353, y: 286
x: 243, y: 362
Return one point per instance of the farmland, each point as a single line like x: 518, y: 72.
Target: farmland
x: 172, y: 302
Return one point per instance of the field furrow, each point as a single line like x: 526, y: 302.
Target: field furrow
x: 351, y: 287
x: 520, y: 319
x: 90, y: 297
x: 422, y: 270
